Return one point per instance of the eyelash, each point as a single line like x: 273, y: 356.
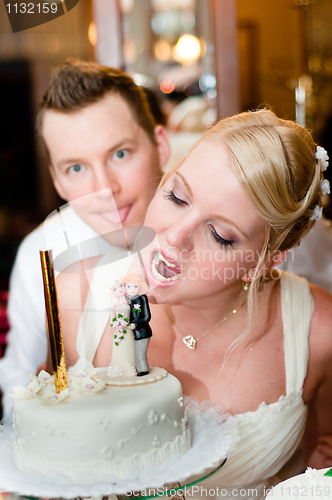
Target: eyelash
x: 169, y: 195
x: 220, y: 240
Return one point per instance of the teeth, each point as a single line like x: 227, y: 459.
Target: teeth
x: 159, y: 257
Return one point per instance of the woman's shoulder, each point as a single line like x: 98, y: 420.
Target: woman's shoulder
x: 320, y: 338
x: 322, y: 315
x: 320, y: 344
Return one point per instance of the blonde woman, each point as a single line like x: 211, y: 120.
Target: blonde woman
x: 256, y: 342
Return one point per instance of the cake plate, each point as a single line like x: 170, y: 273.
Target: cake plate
x: 214, y: 434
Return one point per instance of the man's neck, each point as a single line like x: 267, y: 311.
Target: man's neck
x: 130, y: 298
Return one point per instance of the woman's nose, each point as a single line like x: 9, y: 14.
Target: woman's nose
x: 180, y: 235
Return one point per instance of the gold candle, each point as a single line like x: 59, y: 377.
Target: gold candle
x: 54, y: 323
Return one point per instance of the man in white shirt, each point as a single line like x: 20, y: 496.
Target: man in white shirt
x: 106, y: 155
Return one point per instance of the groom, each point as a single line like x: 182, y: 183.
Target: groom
x: 140, y: 315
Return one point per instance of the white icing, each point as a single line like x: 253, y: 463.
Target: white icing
x: 311, y: 484
x: 123, y: 429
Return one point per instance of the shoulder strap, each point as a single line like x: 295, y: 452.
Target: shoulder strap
x: 95, y: 315
x: 297, y: 306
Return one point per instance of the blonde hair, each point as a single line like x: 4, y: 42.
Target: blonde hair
x: 274, y: 160
x: 111, y: 281
x: 133, y: 278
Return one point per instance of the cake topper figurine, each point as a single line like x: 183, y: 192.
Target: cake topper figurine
x: 140, y: 315
x: 123, y: 351
x: 54, y: 323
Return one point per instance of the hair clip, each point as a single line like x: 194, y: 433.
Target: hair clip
x: 321, y: 154
x: 317, y: 213
x: 324, y: 186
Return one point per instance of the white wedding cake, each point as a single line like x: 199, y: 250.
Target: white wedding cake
x: 312, y: 484
x: 96, y: 428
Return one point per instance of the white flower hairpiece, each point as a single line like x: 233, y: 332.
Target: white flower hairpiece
x: 321, y: 154
x: 317, y: 213
x: 324, y: 186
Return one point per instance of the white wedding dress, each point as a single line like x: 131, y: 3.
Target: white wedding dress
x: 270, y: 435
x: 123, y: 350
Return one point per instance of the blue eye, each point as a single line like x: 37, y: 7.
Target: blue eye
x: 76, y: 168
x: 121, y: 153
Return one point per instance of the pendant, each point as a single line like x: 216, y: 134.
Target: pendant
x: 190, y: 341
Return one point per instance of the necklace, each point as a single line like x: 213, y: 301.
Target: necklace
x: 189, y: 340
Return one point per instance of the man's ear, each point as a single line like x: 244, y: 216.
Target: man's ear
x: 56, y: 183
x: 162, y: 143
x: 272, y: 261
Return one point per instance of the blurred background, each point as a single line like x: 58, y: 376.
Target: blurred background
x: 199, y: 60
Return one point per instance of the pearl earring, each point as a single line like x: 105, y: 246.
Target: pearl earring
x: 246, y: 285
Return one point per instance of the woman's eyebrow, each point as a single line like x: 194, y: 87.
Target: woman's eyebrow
x: 223, y: 219
x: 185, y: 182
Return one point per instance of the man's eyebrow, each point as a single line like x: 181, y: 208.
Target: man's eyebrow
x: 220, y: 217
x: 126, y: 141
x: 69, y: 161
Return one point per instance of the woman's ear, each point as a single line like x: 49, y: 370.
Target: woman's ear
x: 273, y: 259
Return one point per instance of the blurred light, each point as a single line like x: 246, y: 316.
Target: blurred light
x: 187, y: 50
x: 211, y: 93
x: 305, y: 81
x: 160, y: 5
x: 188, y: 20
x: 328, y: 65
x: 129, y: 50
x: 315, y: 63
x: 143, y: 80
x: 127, y: 6
x: 92, y: 34
x: 203, y: 46
x: 162, y: 50
x: 207, y: 81
x: 167, y: 86
x: 300, y: 95
x: 166, y: 24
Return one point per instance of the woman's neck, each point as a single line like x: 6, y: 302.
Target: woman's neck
x: 122, y: 300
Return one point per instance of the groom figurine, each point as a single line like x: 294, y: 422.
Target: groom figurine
x: 140, y: 315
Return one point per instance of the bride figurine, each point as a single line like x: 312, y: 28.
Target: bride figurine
x: 123, y: 350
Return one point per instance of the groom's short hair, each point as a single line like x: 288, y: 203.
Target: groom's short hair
x: 132, y: 278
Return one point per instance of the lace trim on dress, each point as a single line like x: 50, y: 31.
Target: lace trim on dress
x: 266, y: 411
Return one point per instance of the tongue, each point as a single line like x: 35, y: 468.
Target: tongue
x: 164, y: 270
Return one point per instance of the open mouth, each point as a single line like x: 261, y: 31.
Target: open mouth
x: 164, y: 270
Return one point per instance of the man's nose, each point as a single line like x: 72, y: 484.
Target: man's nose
x: 105, y: 183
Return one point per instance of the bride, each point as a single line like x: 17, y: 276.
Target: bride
x: 256, y: 342
x: 123, y: 351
